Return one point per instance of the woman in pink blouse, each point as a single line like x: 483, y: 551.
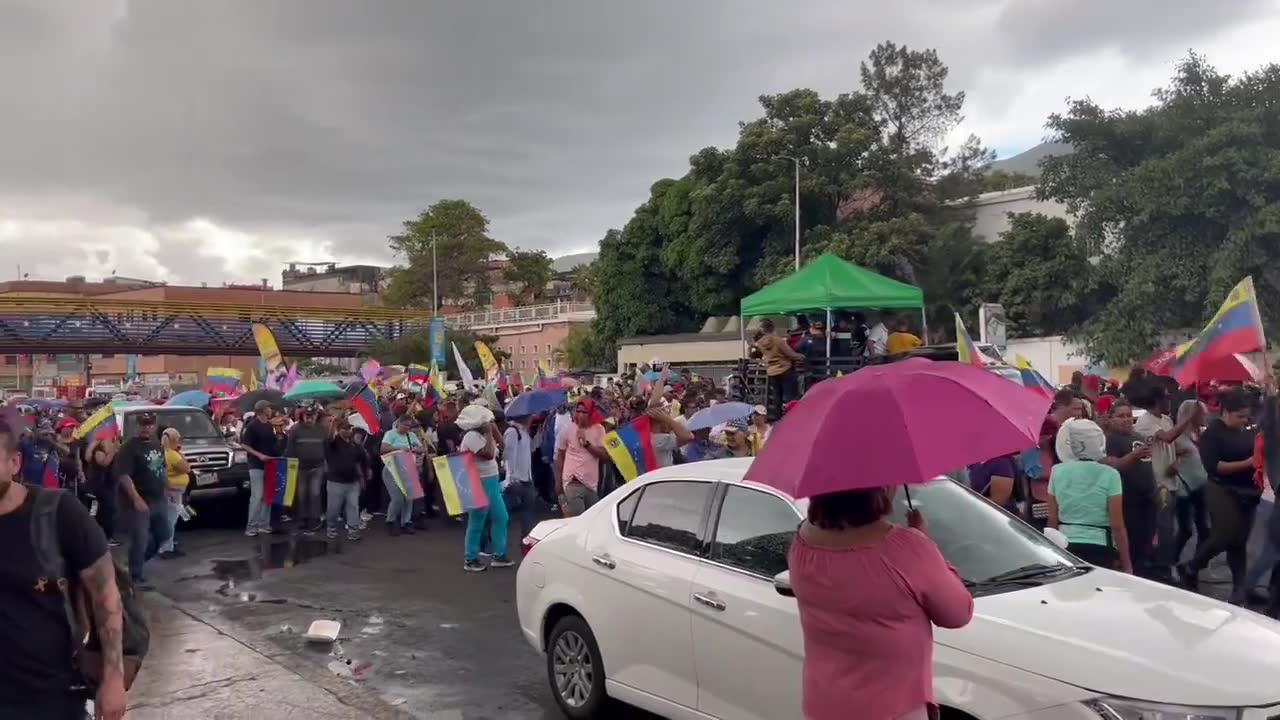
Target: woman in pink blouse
x: 869, y: 594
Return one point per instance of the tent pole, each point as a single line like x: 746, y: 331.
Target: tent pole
x: 742, y: 331
x: 924, y: 323
x: 830, y: 329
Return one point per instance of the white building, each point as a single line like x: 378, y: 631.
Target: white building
x: 991, y: 210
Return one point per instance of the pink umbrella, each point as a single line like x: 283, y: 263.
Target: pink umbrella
x: 897, y: 424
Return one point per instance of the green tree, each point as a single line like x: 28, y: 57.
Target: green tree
x: 907, y: 89
x: 1042, y: 276
x: 1176, y: 201
x: 582, y: 350
x: 995, y: 180
x: 460, y: 234
x: 528, y: 275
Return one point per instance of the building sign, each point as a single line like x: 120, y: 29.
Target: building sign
x: 992, y: 326
x: 156, y: 379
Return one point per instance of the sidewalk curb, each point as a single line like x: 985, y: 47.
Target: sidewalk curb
x: 345, y: 693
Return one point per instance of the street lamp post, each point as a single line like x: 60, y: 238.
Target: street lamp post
x: 435, y: 279
x: 797, y: 164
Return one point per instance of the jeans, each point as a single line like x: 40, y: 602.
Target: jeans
x: 1162, y: 560
x: 1191, y: 515
x: 523, y: 499
x: 344, y: 499
x: 579, y: 497
x: 400, y: 508
x: 173, y: 501
x: 147, y: 532
x: 495, y: 514
x: 1266, y: 559
x: 1230, y: 522
x: 310, y: 483
x: 259, y: 513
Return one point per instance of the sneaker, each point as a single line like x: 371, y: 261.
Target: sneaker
x: 116, y: 543
x: 485, y: 554
x: 501, y: 561
x: 353, y: 536
x: 474, y: 566
x: 1188, y: 577
x: 366, y: 517
x: 167, y: 555
x: 393, y: 529
x: 251, y: 532
x: 331, y: 533
x: 408, y: 530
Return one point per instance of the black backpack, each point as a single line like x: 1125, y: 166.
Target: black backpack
x: 86, y: 652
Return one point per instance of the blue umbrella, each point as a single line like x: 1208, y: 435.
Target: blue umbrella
x: 47, y: 404
x: 191, y: 398
x: 534, y: 402
x: 719, y: 415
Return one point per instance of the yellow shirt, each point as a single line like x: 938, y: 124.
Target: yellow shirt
x: 901, y: 342
x: 172, y: 462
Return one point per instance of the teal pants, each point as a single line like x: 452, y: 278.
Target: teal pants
x: 495, y: 514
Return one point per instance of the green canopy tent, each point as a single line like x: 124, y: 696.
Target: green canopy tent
x: 829, y: 283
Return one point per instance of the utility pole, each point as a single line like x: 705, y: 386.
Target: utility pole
x: 435, y: 279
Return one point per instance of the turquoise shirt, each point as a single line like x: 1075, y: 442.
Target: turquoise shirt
x: 1082, y: 490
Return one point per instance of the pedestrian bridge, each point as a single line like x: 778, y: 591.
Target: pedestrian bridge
x: 152, y: 327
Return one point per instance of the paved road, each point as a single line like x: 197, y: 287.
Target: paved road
x: 424, y: 635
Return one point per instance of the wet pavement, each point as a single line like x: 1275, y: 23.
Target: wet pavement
x: 419, y: 635
x: 194, y: 670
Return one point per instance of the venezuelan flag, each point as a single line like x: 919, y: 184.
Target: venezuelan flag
x: 419, y: 374
x: 99, y: 426
x: 460, y: 483
x: 1031, y: 379
x: 221, y: 379
x: 1235, y: 328
x: 402, y: 465
x: 279, y: 481
x: 630, y: 447
x: 365, y: 403
x: 966, y: 351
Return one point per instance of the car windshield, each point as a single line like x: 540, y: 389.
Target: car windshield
x: 190, y: 423
x: 979, y: 539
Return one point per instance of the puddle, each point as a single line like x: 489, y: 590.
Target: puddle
x: 282, y: 554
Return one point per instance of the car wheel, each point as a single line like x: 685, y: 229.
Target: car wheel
x: 575, y: 669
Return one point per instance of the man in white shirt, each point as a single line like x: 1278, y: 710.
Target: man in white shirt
x: 1157, y: 429
x: 878, y: 338
x: 518, y: 485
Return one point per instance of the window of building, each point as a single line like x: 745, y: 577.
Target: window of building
x: 548, y: 348
x: 10, y: 359
x: 522, y: 364
x: 521, y: 349
x: 754, y: 531
x: 669, y: 515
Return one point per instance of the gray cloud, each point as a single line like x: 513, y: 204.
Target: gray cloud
x: 316, y: 126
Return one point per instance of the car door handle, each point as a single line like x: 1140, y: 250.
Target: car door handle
x: 710, y: 600
x: 604, y: 561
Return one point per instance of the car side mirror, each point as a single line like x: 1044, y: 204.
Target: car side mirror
x: 1056, y: 537
x: 782, y: 583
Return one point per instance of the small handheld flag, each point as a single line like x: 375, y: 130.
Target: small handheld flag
x: 402, y: 465
x: 460, y: 483
x: 630, y: 447
x: 279, y: 481
x: 99, y: 426
x: 222, y: 379
x: 418, y: 374
x: 966, y: 351
x: 1031, y: 379
x: 365, y: 403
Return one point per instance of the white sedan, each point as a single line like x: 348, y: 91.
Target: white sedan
x: 670, y: 595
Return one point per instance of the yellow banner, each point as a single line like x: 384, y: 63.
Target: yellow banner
x: 271, y: 357
x: 487, y: 360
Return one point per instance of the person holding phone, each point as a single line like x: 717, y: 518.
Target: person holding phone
x: 579, y: 450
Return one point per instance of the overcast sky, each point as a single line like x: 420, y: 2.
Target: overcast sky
x: 189, y: 140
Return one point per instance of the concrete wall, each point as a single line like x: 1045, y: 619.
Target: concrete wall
x: 991, y: 210
x: 716, y: 349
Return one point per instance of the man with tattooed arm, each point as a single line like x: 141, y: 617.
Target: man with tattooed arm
x: 36, y: 673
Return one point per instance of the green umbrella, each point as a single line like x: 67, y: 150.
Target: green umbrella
x: 314, y: 390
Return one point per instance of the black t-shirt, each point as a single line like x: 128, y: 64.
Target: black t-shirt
x: 1138, y: 480
x: 36, y: 661
x: 1220, y: 443
x: 143, y: 461
x: 450, y: 437
x: 260, y: 436
x: 342, y: 458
